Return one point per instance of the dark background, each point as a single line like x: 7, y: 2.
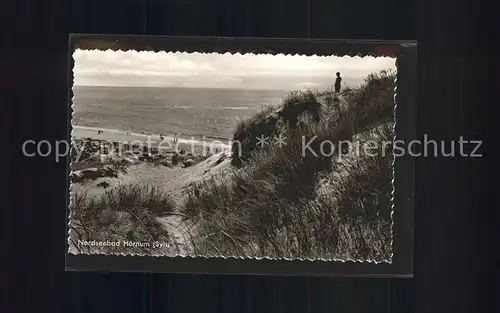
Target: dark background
x: 451, y: 195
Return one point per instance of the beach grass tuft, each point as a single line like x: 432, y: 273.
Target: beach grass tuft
x: 126, y: 212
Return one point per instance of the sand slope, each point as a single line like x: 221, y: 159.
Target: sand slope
x: 174, y: 180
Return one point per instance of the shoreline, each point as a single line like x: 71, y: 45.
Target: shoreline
x: 153, y: 140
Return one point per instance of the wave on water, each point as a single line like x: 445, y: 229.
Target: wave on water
x: 235, y: 108
x: 214, y: 107
x: 93, y: 128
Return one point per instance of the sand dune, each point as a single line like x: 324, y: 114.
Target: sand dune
x: 174, y: 180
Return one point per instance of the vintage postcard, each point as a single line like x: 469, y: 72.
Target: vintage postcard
x: 232, y: 155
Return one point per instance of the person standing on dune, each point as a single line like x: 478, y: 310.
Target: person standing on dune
x: 338, y: 81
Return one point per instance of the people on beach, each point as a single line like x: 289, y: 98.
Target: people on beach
x: 175, y: 159
x: 338, y: 81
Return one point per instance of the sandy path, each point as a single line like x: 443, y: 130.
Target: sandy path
x: 180, y: 230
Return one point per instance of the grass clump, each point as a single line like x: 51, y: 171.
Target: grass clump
x: 124, y: 213
x: 298, y: 108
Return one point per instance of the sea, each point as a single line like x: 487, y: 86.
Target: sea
x: 213, y: 113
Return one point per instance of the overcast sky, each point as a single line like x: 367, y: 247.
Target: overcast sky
x: 262, y: 71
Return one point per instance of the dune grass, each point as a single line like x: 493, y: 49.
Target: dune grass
x: 272, y: 119
x: 126, y: 212
x: 270, y: 205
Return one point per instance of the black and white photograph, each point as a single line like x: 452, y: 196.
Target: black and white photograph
x: 285, y: 157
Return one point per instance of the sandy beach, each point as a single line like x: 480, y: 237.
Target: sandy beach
x: 190, y: 144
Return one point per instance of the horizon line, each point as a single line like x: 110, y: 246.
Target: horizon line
x: 193, y: 87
